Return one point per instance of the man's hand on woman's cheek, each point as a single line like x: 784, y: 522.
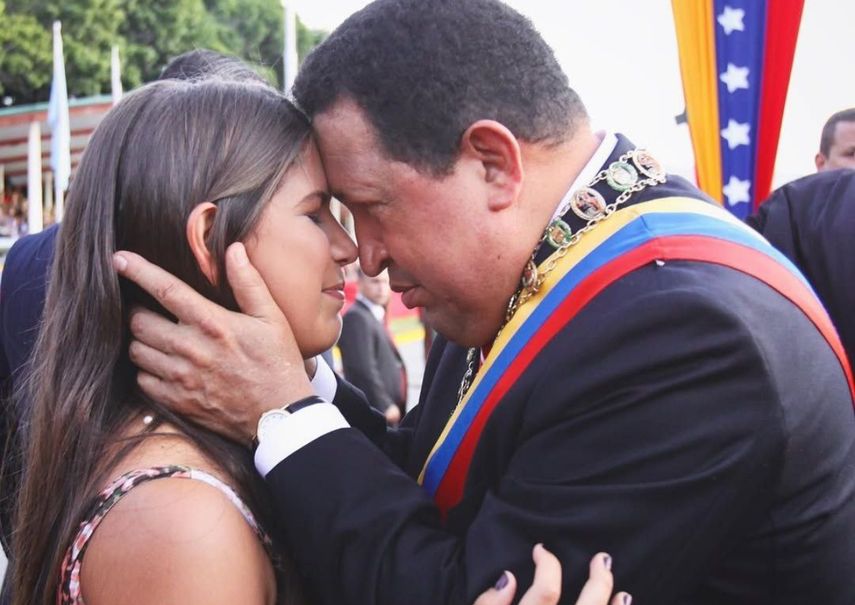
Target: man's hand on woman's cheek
x: 220, y: 368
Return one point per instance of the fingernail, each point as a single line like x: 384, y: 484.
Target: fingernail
x: 607, y: 562
x: 120, y: 263
x: 239, y: 255
x: 627, y: 598
x: 502, y: 581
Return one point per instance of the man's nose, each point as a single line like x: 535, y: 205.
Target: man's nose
x: 373, y: 256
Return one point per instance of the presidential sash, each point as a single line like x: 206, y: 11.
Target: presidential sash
x: 667, y: 229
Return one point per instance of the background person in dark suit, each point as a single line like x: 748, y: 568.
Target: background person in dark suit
x: 812, y: 222
x: 370, y: 359
x: 662, y: 410
x: 837, y: 143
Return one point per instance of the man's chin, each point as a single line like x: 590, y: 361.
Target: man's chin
x: 463, y: 331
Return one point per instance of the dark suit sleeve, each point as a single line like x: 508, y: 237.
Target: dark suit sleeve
x: 359, y: 359
x: 774, y: 220
x: 394, y: 441
x: 664, y: 434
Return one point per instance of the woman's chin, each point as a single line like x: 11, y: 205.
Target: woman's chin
x: 321, y: 343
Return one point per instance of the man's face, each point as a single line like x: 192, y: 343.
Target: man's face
x: 841, y: 154
x: 376, y: 288
x: 435, y: 235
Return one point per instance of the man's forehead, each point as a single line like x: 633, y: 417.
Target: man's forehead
x: 348, y: 147
x: 844, y: 132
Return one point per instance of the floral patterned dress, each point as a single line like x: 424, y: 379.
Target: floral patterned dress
x: 69, y: 586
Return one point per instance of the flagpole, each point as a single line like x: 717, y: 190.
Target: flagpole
x: 289, y: 52
x: 115, y: 75
x: 60, y: 142
x: 34, y: 179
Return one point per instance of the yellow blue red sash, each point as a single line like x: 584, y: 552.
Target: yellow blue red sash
x: 664, y: 229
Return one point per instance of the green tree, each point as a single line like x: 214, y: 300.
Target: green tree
x: 25, y: 55
x: 254, y: 30
x: 149, y: 34
x: 89, y: 29
x: 155, y: 31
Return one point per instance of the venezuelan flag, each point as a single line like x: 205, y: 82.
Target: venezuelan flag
x: 735, y: 61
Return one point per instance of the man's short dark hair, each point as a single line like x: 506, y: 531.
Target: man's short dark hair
x: 424, y: 70
x: 827, y: 140
x: 204, y: 63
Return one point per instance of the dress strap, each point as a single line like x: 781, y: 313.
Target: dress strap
x: 69, y: 587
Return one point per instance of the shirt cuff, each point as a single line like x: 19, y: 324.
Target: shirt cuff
x: 296, y: 431
x: 324, y: 382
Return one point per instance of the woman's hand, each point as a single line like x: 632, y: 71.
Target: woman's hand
x: 546, y: 588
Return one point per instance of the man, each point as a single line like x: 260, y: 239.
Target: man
x: 812, y: 222
x: 370, y: 358
x: 837, y: 145
x: 608, y: 374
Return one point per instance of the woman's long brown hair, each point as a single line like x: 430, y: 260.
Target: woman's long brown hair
x: 161, y: 151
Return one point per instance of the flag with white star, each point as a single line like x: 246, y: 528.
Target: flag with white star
x: 735, y: 59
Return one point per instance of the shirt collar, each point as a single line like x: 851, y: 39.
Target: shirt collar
x: 376, y: 310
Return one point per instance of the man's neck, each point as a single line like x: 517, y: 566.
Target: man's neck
x: 550, y: 171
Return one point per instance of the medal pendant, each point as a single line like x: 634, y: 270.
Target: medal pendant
x: 558, y: 233
x: 588, y: 204
x: 529, y: 277
x: 648, y: 165
x: 621, y: 176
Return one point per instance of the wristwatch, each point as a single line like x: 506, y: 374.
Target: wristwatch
x: 275, y: 417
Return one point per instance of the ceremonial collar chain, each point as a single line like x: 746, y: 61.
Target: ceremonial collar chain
x: 630, y: 173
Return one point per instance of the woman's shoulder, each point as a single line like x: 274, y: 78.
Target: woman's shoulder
x: 170, y: 539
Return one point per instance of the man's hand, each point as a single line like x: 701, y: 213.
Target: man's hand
x: 220, y: 368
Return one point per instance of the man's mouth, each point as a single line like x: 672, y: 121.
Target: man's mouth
x: 411, y: 297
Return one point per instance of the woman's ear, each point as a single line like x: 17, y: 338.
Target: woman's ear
x: 199, y: 223
x: 498, y: 151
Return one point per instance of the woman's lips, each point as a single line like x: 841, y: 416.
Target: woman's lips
x: 336, y: 292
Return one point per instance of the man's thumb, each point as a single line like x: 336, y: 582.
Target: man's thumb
x: 250, y: 291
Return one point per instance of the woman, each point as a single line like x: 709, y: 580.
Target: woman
x: 176, y: 172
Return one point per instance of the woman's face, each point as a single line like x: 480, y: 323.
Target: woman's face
x: 300, y: 250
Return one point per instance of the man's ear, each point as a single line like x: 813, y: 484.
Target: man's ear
x: 498, y: 151
x: 819, y: 160
x: 199, y: 223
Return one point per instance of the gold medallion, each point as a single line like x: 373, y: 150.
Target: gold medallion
x: 621, y: 176
x: 648, y: 165
x: 587, y: 204
x: 558, y: 233
x: 529, y: 277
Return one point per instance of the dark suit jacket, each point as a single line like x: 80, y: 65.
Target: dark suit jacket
x: 812, y: 222
x: 22, y: 299
x: 371, y: 361
x: 690, y: 421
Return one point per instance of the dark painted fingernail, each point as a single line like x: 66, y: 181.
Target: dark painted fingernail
x: 502, y: 581
x: 627, y: 599
x: 607, y: 562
